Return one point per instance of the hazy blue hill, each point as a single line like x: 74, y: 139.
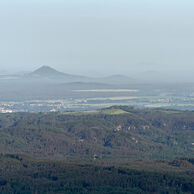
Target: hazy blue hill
x: 116, y: 79
x: 46, y: 71
x: 47, y: 83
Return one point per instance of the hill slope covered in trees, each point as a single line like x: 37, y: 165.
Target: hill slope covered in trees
x: 23, y: 174
x: 115, y: 133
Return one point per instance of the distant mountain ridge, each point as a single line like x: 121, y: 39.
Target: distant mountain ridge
x: 46, y: 71
x: 49, y: 72
x: 117, y: 79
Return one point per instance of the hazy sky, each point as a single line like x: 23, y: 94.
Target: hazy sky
x: 98, y: 36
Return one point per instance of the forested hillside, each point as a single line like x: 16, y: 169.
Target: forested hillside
x: 21, y: 174
x: 115, y: 133
x: 113, y: 150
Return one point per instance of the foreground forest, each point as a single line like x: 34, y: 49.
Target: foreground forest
x: 21, y: 174
x: 114, y: 150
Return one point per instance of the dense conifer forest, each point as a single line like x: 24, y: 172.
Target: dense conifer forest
x: 21, y: 174
x: 114, y: 150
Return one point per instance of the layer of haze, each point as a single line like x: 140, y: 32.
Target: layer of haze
x: 98, y: 37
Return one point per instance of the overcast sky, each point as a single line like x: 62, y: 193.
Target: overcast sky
x: 97, y: 36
